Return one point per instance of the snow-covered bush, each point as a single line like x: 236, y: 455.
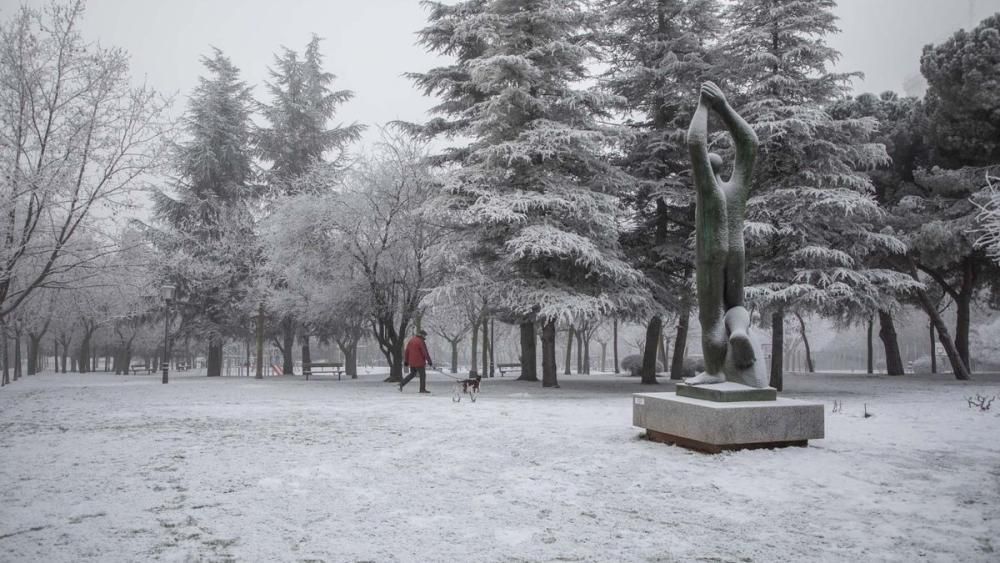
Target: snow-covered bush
x: 692, y: 366
x: 633, y: 364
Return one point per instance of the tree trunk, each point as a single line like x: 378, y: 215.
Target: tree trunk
x: 569, y: 350
x: 777, y: 349
x: 396, y: 361
x: 306, y: 352
x: 810, y: 366
x: 351, y: 359
x: 549, y: 354
x: 604, y: 354
x: 84, y: 362
x: 586, y: 355
x: 214, y: 357
x: 887, y: 332
x: 615, y: 345
x: 680, y: 342
x: 486, y: 347
x: 4, y: 357
x: 474, y: 356
x: 493, y: 338
x: 259, y: 352
x: 17, y: 355
x: 5, y: 377
x: 454, y: 355
x: 529, y: 353
x: 933, y: 349
x: 34, y: 343
x: 871, y: 345
x: 579, y: 350
x: 662, y: 346
x: 287, y: 346
x: 957, y: 365
x: 963, y: 312
x: 653, y: 329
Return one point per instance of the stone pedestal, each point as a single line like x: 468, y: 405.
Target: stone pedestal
x: 726, y: 424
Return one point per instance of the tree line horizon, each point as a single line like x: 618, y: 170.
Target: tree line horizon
x: 561, y: 199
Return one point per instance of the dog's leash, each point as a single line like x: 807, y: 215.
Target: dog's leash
x: 441, y: 371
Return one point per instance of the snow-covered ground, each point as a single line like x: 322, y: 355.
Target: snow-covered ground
x: 98, y: 467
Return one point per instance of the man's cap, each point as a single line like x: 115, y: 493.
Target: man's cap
x: 421, y: 332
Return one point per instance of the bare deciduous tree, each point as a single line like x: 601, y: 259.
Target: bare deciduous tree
x: 76, y: 138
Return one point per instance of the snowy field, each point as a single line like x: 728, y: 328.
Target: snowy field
x: 99, y: 467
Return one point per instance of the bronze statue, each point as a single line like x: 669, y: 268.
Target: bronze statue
x: 731, y: 354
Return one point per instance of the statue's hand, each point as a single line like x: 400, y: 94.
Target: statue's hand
x: 713, y: 95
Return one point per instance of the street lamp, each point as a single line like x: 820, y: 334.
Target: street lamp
x: 167, y: 292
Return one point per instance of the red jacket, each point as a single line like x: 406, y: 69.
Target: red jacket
x: 416, y: 355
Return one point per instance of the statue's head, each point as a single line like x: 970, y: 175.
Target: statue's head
x: 716, y: 162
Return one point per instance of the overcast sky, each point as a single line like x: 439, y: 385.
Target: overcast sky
x: 371, y: 43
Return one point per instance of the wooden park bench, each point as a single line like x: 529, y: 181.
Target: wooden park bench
x: 320, y: 368
x: 182, y: 366
x: 136, y: 368
x: 503, y: 368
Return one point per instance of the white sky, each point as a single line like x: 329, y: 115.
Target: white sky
x: 371, y: 43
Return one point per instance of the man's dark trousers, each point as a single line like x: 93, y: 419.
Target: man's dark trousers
x: 422, y: 372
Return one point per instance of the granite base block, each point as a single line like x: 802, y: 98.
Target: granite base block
x: 717, y: 426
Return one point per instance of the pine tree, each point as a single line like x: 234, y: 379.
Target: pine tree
x: 658, y: 53
x: 533, y: 189
x: 962, y: 130
x: 298, y: 139
x: 812, y: 219
x: 208, y: 239
x: 303, y: 104
x: 963, y: 98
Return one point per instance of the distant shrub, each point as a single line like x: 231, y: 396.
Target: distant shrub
x: 633, y: 364
x: 922, y: 364
x: 692, y: 366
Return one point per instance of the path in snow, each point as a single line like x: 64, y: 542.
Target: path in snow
x: 101, y: 467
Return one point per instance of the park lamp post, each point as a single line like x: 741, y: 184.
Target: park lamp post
x: 167, y: 292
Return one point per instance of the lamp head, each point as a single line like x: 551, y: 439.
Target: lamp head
x: 167, y: 291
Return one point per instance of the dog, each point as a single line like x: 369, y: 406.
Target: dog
x: 468, y: 386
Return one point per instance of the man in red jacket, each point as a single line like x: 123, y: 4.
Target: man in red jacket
x: 416, y: 357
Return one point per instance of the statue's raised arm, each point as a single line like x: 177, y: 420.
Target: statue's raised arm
x: 743, y: 135
x: 697, y: 139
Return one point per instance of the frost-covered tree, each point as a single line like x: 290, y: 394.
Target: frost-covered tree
x: 961, y: 129
x: 374, y: 227
x: 299, y: 133
x: 448, y: 321
x: 658, y: 53
x: 933, y: 212
x: 533, y: 187
x: 812, y: 218
x: 76, y: 138
x: 208, y: 241
x: 298, y: 137
x: 323, y: 288
x: 902, y: 136
x: 990, y: 220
